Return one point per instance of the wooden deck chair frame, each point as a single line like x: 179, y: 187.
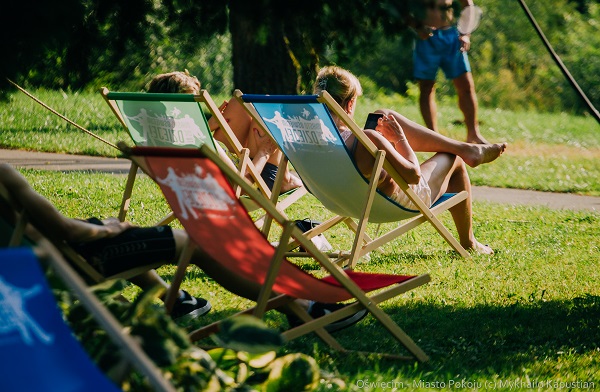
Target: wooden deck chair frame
x: 270, y: 296
x: 245, y: 164
x: 130, y: 348
x: 363, y: 243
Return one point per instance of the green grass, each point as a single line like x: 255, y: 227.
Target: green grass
x: 547, y: 152
x: 528, y: 314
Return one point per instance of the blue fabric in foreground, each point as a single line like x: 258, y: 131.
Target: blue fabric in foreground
x: 37, y: 350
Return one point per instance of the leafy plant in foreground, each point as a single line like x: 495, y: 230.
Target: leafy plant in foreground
x: 246, y: 359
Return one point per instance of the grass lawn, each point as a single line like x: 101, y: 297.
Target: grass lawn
x: 527, y: 316
x: 547, y: 152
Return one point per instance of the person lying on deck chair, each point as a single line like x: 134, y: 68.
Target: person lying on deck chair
x: 400, y: 138
x: 264, y: 153
x: 112, y: 246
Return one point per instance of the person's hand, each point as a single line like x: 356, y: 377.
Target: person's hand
x: 113, y: 227
x: 465, y: 42
x: 264, y: 143
x: 390, y: 128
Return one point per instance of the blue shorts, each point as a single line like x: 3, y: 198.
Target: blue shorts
x: 442, y: 50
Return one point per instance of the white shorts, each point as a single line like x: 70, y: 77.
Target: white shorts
x: 421, y: 189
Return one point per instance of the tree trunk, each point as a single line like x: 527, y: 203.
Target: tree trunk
x: 261, y: 60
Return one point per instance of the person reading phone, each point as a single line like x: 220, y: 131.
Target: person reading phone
x: 439, y: 44
x: 400, y: 138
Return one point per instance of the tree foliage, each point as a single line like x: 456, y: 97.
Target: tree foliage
x: 271, y: 46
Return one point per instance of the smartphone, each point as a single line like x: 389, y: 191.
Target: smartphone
x: 371, y: 122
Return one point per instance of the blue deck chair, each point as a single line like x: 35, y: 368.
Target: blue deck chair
x: 37, y: 349
x: 304, y: 129
x: 177, y: 120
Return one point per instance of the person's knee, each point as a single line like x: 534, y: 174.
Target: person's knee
x: 464, y: 83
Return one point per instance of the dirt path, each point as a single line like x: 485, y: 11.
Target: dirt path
x: 64, y: 162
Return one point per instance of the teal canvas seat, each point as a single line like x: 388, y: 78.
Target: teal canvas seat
x: 304, y: 129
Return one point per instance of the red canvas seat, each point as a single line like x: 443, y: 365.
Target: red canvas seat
x: 195, y: 183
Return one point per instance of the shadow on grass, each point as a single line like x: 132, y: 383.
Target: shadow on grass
x: 485, y: 338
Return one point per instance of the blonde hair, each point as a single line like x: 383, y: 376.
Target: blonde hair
x: 340, y: 83
x: 174, y: 82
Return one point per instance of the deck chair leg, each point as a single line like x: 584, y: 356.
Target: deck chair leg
x: 267, y: 286
x: 170, y: 217
x: 128, y: 190
x: 207, y: 330
x: 244, y: 159
x: 354, y: 227
x: 182, y: 264
x: 364, y: 220
x: 275, y: 193
x: 321, y: 332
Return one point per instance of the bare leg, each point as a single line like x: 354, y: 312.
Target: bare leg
x: 427, y: 103
x: 467, y: 103
x: 148, y: 279
x: 422, y: 139
x: 448, y: 173
x: 243, y: 127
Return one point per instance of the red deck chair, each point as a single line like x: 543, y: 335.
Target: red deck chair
x: 194, y: 184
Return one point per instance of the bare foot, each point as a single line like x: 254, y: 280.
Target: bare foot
x: 483, y: 153
x: 291, y: 182
x: 480, y: 248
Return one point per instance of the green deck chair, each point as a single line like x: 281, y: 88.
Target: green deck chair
x: 177, y: 120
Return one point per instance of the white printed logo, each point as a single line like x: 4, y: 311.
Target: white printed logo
x: 302, y: 130
x: 14, y: 317
x: 170, y: 129
x: 198, y: 193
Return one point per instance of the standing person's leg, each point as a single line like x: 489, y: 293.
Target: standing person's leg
x: 456, y: 67
x: 427, y: 103
x: 467, y: 103
x: 422, y: 139
x: 448, y: 173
